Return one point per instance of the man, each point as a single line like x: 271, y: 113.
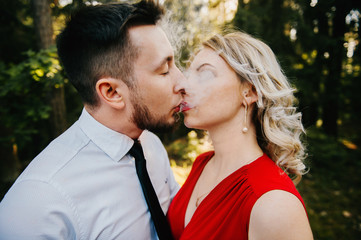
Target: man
x: 84, y: 184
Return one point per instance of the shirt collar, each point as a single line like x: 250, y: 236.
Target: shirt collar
x: 114, y: 144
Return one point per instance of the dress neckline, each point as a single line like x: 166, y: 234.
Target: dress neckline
x: 201, y: 168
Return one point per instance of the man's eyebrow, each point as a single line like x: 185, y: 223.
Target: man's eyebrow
x: 164, y: 61
x: 204, y: 65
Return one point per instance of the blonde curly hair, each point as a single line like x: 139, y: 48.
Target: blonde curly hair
x: 279, y: 126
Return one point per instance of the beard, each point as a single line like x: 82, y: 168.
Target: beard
x: 144, y: 119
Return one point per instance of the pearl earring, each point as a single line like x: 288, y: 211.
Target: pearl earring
x: 245, y: 129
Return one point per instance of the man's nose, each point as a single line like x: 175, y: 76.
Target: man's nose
x: 180, y: 82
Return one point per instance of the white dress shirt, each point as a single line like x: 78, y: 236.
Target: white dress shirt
x: 84, y: 185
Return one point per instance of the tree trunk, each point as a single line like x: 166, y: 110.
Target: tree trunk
x: 43, y: 23
x: 11, y: 166
x: 44, y: 33
x: 59, y: 123
x: 333, y: 81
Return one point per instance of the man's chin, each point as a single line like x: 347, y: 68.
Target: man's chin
x: 161, y: 127
x: 157, y: 124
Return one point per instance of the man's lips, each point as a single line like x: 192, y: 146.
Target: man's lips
x: 178, y: 108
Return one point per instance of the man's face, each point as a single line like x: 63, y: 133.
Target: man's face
x: 157, y: 92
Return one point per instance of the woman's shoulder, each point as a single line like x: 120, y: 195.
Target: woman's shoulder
x: 278, y: 203
x: 264, y: 175
x: 277, y: 215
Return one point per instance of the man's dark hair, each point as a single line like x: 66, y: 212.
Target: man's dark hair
x: 95, y: 43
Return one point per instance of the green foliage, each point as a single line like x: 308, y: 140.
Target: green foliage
x: 25, y: 91
x: 315, y: 57
x: 185, y: 149
x: 331, y: 188
x: 16, y: 30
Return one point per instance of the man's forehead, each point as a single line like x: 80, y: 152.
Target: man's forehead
x: 151, y: 41
x: 142, y: 33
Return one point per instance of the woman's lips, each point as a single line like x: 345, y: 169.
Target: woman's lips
x: 184, y: 106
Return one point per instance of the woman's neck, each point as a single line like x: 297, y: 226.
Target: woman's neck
x: 233, y: 148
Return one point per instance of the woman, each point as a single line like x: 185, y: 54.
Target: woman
x: 238, y: 93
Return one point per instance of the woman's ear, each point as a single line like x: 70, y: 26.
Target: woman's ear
x: 249, y: 94
x: 109, y: 91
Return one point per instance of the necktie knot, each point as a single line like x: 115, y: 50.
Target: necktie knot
x: 137, y: 151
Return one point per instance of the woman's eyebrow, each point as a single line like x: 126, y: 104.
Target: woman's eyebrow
x: 204, y: 65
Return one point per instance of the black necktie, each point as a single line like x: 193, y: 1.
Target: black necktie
x: 156, y: 212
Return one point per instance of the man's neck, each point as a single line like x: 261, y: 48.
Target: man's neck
x: 117, y: 121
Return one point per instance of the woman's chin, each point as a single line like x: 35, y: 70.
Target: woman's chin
x: 192, y: 124
x: 188, y: 123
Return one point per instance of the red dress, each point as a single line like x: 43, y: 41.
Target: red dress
x: 225, y: 212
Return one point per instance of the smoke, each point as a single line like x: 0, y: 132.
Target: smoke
x: 199, y: 86
x: 175, y: 34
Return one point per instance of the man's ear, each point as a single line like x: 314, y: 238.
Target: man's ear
x: 249, y: 94
x: 109, y: 91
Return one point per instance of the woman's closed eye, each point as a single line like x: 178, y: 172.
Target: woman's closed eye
x: 206, y: 75
x: 207, y: 69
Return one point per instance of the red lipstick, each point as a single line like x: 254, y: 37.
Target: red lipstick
x: 184, y: 107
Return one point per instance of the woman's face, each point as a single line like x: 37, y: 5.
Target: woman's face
x: 212, y: 92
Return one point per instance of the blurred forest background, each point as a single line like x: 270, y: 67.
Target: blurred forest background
x: 316, y: 42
